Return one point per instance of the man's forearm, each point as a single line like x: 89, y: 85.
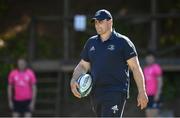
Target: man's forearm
x: 139, y: 79
x: 78, y: 71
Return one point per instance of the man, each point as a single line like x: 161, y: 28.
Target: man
x: 107, y: 57
x: 21, y: 90
x: 153, y: 80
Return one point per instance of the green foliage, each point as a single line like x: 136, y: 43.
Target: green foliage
x: 49, y: 47
x: 4, y: 69
x: 3, y: 7
x: 168, y: 90
x: 169, y: 6
x: 171, y: 87
x: 15, y: 47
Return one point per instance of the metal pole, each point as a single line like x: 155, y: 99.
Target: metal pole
x: 153, y: 40
x: 66, y: 33
x: 59, y: 97
x: 66, y: 50
x: 31, y: 48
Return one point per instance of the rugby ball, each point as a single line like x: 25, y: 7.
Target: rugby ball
x: 85, y: 84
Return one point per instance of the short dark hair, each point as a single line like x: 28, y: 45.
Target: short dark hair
x: 149, y: 52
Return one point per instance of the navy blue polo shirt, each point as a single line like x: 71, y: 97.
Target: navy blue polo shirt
x: 108, y: 62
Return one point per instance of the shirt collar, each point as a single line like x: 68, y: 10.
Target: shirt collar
x: 111, y: 37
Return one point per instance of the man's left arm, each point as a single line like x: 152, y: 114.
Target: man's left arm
x: 34, y: 93
x: 134, y: 65
x: 159, y: 91
x: 34, y: 89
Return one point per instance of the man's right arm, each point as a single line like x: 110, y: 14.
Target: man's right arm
x: 10, y: 89
x: 10, y: 96
x: 81, y: 68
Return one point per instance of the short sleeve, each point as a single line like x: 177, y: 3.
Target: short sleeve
x: 129, y: 49
x: 84, y: 53
x: 11, y: 77
x: 158, y: 70
x: 32, y: 77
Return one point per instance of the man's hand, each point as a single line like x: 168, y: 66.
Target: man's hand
x: 142, y: 100
x: 74, y: 85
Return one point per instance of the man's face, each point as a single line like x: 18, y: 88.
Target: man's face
x: 102, y: 26
x: 21, y: 64
x: 150, y: 59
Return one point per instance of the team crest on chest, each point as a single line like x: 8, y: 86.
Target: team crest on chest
x: 111, y: 47
x: 27, y: 78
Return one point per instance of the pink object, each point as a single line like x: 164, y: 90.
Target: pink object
x: 151, y: 74
x: 22, y: 82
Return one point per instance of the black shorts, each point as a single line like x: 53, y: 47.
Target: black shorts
x: 21, y: 106
x: 111, y: 105
x: 152, y: 104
